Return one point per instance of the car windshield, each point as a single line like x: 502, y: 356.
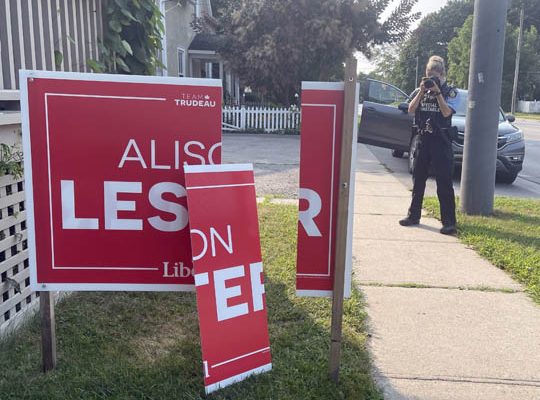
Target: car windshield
x: 460, y: 105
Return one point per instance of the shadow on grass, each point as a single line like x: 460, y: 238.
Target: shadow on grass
x: 526, y: 219
x: 497, y: 227
x: 499, y: 233
x: 146, y: 345
x: 510, y: 239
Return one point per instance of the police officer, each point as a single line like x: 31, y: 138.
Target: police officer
x: 432, y: 109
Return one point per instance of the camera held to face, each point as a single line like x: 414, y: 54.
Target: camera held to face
x: 429, y: 83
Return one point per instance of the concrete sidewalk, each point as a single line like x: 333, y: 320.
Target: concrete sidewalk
x: 445, y: 323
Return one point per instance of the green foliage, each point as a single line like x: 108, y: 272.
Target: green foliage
x: 122, y: 345
x: 132, y: 38
x: 510, y: 239
x: 385, y: 57
x: 532, y: 13
x: 459, y: 51
x: 58, y: 58
x: 529, y: 64
x: 11, y: 158
x: 534, y: 117
x: 459, y: 54
x: 431, y: 37
x: 448, y: 33
x: 275, y: 44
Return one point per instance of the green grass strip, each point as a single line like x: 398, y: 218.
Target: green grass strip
x: 528, y: 116
x: 510, y: 239
x: 146, y: 345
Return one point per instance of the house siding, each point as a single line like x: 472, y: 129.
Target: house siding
x: 179, y: 34
x: 32, y: 30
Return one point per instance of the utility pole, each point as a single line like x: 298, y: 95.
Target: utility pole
x: 518, y: 56
x: 482, y: 123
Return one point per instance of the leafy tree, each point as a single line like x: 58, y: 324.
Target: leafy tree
x: 275, y: 44
x: 435, y: 35
x: 529, y: 81
x: 459, y: 54
x: 432, y: 36
x: 459, y: 51
x: 532, y: 13
x: 385, y: 57
x: 132, y: 38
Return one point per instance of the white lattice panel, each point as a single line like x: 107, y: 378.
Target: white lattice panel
x: 16, y: 296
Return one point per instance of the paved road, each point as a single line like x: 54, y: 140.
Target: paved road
x: 527, y: 184
x: 275, y: 159
x: 531, y: 169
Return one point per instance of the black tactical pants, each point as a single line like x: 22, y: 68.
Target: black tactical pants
x: 434, y: 149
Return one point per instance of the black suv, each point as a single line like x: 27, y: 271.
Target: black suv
x: 385, y: 122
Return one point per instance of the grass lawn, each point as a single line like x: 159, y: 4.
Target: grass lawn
x: 528, y: 116
x: 510, y: 239
x: 146, y: 345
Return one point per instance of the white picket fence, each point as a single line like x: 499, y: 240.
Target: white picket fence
x: 241, y: 118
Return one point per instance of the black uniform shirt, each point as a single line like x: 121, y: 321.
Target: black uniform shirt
x: 428, y: 115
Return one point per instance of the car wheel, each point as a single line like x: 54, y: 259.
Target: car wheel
x: 412, y: 153
x: 507, y: 178
x: 397, y: 153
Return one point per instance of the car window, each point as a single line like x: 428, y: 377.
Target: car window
x: 460, y: 105
x: 383, y: 93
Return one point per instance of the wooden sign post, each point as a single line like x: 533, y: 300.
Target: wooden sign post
x: 48, y: 331
x: 343, y: 215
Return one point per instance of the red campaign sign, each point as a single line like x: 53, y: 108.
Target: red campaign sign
x: 104, y: 158
x: 228, y: 273
x: 320, y: 153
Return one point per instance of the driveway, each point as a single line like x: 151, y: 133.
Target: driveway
x: 275, y: 160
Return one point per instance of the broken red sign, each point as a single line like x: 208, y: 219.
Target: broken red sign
x: 228, y: 273
x: 104, y: 157
x: 320, y: 155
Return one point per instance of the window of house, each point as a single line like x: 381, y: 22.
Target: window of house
x: 181, y: 63
x: 212, y: 70
x: 216, y: 70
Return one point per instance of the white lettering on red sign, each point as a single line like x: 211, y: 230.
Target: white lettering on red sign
x: 307, y: 217
x: 214, y: 235
x: 224, y: 293
x: 177, y: 270
x: 228, y: 273
x: 112, y: 205
x: 104, y: 168
x: 69, y: 220
x: 193, y: 153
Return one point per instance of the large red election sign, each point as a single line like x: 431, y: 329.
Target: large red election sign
x: 104, y: 157
x: 228, y: 273
x: 320, y: 154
